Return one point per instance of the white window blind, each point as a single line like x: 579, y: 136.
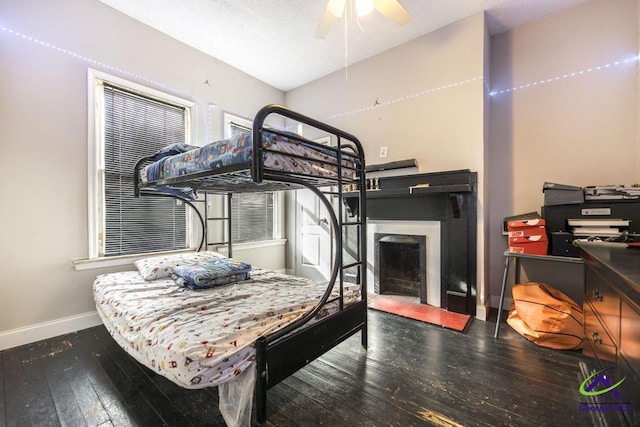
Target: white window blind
x: 136, y: 126
x: 252, y: 214
x: 252, y: 217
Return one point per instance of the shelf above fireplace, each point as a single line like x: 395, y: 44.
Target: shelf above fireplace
x: 422, y: 191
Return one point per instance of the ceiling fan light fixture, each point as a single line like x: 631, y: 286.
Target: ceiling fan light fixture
x: 336, y: 7
x: 364, y: 7
x: 390, y: 9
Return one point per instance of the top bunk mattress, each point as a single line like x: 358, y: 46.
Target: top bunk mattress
x: 203, y: 338
x: 281, y: 154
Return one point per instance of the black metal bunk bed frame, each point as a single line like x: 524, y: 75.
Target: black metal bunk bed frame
x: 285, y: 351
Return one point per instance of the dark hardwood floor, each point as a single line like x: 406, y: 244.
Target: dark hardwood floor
x: 412, y: 374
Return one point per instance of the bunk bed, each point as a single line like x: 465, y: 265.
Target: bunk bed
x: 305, y: 326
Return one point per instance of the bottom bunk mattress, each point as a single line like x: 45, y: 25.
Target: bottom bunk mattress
x: 202, y: 338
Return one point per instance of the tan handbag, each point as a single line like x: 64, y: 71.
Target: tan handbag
x: 546, y: 316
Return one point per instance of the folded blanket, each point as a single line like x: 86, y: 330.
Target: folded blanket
x: 208, y: 274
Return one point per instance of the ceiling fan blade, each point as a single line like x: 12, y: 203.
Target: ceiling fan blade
x: 393, y: 10
x: 325, y: 24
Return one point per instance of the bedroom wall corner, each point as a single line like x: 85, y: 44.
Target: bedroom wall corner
x: 483, y: 299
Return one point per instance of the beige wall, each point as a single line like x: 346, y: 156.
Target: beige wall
x: 43, y: 133
x: 443, y: 129
x: 435, y: 128
x: 578, y: 130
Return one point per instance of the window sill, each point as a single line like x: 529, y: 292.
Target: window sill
x: 116, y: 261
x: 252, y: 245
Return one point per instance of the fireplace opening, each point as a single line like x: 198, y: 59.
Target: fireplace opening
x: 401, y: 265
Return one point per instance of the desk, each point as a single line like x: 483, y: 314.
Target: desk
x: 510, y: 258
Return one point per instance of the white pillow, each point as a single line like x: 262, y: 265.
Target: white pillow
x: 159, y: 267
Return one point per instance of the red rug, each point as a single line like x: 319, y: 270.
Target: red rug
x: 422, y: 312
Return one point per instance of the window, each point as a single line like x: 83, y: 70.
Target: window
x: 253, y: 215
x: 131, y: 122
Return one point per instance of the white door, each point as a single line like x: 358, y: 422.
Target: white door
x: 314, y: 243
x: 314, y: 252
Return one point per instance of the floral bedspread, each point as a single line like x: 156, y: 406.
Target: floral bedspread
x: 202, y: 338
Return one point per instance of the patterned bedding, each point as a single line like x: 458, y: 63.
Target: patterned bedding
x: 210, y: 274
x: 203, y: 338
x: 238, y: 150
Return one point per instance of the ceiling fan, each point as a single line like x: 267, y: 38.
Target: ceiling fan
x: 390, y: 9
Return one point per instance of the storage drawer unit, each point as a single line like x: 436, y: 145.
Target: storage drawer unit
x: 612, y: 328
x: 600, y: 345
x: 604, y: 300
x: 630, y: 337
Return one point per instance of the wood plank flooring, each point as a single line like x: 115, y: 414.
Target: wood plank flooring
x: 412, y: 374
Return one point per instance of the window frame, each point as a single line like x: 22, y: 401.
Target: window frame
x: 96, y: 161
x: 278, y: 200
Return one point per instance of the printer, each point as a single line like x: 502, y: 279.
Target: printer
x: 603, y: 213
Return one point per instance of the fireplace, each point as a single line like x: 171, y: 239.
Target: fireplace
x: 442, y: 207
x: 404, y: 259
x: 400, y: 265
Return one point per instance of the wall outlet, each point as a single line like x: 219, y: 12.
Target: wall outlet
x: 383, y: 152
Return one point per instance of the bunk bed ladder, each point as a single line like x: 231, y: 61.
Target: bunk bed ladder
x: 360, y: 264
x: 226, y: 218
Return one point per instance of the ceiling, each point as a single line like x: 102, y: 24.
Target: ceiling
x: 273, y: 40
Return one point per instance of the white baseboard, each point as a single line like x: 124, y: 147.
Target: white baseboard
x: 506, y: 305
x: 40, y: 331
x: 481, y: 312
